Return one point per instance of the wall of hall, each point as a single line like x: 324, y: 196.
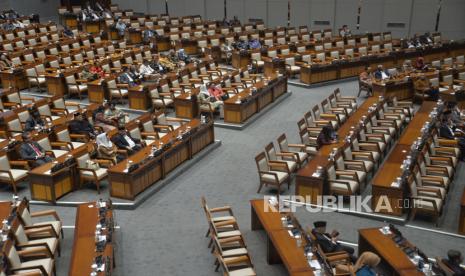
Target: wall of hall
x: 414, y: 16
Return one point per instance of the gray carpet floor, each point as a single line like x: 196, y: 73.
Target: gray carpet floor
x: 165, y: 235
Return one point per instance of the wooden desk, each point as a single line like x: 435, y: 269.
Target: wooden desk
x: 309, y: 186
x: 139, y: 98
x: 186, y: 106
x: 47, y: 186
x: 271, y: 66
x: 135, y: 36
x: 128, y: 185
x: 84, y: 249
x: 16, y: 79
x: 92, y: 27
x: 401, y: 89
x: 5, y: 209
x: 70, y: 20
x: 281, y: 247
x: 322, y: 72
x: 237, y: 110
x: 56, y: 85
x: 240, y: 59
x: 462, y: 215
x: 97, y: 91
x: 390, y: 170
x: 392, y: 256
x: 190, y: 46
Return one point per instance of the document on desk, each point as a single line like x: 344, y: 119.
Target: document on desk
x: 315, y: 264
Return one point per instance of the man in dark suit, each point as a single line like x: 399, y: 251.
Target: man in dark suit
x: 380, y: 74
x: 454, y: 259
x: 447, y: 131
x: 329, y: 242
x: 34, y: 121
x: 124, y: 141
x: 81, y: 126
x: 32, y: 151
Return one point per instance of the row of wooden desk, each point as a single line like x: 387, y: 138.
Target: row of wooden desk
x: 309, y: 186
x: 127, y: 185
x: 390, y: 169
x: 281, y: 247
x: 240, y: 107
x: 84, y: 246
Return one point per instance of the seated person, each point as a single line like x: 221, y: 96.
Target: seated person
x: 79, y: 125
x: 67, y: 32
x: 86, y: 74
x: 124, y: 141
x: 147, y: 35
x: 447, y: 131
x: 182, y: 56
x: 101, y: 121
x: 120, y: 26
x: 216, y: 92
x: 380, y: 73
x: 365, y: 79
x: 147, y: 71
x: 97, y: 70
x: 34, y: 121
x: 327, y: 136
x: 420, y: 64
x: 423, y: 84
x: 31, y: 150
x: 345, y: 31
x: 126, y: 77
x: 455, y: 115
x: 157, y: 66
x: 329, y: 242
x: 255, y: 44
x: 206, y: 100
x: 105, y: 148
x: 454, y: 259
x: 112, y: 113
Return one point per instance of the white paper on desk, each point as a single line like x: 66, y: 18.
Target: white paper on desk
x: 395, y: 184
x: 102, y: 238
x: 48, y: 172
x: 290, y: 233
x: 101, y: 268
x: 315, y: 264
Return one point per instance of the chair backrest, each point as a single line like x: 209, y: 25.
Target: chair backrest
x: 271, y: 152
x: 460, y: 59
x: 44, y: 110
x: 4, y: 163
x: 63, y: 135
x: 45, y: 143
x: 448, y: 61
x: 449, y: 79
x: 443, y: 266
x: 82, y: 160
x: 148, y: 126
x: 15, y: 125
x: 262, y: 162
x: 283, y: 144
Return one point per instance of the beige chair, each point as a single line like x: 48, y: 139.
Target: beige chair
x: 437, y: 174
x: 47, y: 227
x: 356, y: 166
x: 76, y: 86
x: 299, y: 150
x: 335, y: 104
x: 310, y: 142
x: 34, y: 79
x: 135, y: 132
x: 12, y: 176
x: 91, y: 174
x: 46, y: 266
x: 291, y: 67
x: 226, y: 214
x: 333, y: 118
x: 430, y: 186
x: 365, y: 157
x: 50, y: 244
x: 341, y: 112
x: 73, y: 141
x: 288, y: 159
x: 427, y: 204
x: 236, y: 266
x: 271, y: 172
x: 162, y: 100
x: 117, y: 91
x: 349, y: 99
x: 342, y: 182
x: 57, y: 149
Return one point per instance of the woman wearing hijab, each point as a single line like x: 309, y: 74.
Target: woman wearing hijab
x: 205, y: 100
x: 105, y: 148
x: 420, y: 64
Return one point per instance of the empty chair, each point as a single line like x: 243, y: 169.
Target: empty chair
x: 271, y: 172
x: 342, y: 182
x: 90, y: 170
x: 427, y: 204
x: 12, y: 176
x: 297, y: 149
x: 45, y: 266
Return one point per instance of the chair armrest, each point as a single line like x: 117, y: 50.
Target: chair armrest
x: 46, y: 213
x: 145, y: 134
x: 23, y: 164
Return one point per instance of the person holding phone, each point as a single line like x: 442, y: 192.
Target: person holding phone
x: 330, y: 242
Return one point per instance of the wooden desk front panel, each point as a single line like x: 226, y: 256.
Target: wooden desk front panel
x: 240, y: 61
x: 265, y: 99
x: 462, y: 215
x: 50, y: 187
x: 185, y: 108
x: 351, y: 71
x: 92, y: 27
x: 16, y: 80
x: 309, y: 186
x: 96, y: 93
x: 175, y: 156
x: 139, y: 100
x: 321, y: 76
x: 56, y: 85
x: 202, y: 138
x: 135, y: 37
x: 395, y: 196
x: 238, y: 113
x: 280, y: 88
